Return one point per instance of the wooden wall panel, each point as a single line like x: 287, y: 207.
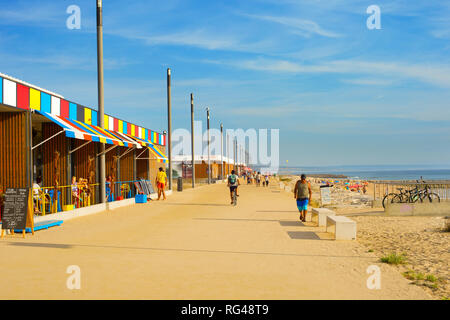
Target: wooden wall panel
x: 142, y: 165
x: 60, y: 144
x: 109, y: 161
x: 13, y: 172
x: 200, y: 170
x: 126, y: 165
x: 80, y: 158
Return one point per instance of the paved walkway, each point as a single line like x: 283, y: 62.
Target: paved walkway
x: 195, y: 246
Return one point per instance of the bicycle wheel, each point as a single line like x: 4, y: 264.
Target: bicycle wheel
x: 431, y: 197
x: 414, y: 198
x: 234, y: 198
x: 389, y: 198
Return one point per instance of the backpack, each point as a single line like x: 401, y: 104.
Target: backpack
x: 232, y: 179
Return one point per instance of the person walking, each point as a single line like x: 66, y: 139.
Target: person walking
x: 233, y: 183
x: 303, y: 195
x: 161, y: 179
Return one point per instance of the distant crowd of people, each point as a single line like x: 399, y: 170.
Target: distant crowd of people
x: 256, y: 178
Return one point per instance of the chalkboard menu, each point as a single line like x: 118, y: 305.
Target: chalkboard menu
x: 15, y: 209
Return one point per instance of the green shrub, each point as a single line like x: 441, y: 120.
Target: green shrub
x: 420, y: 276
x: 431, y: 278
x: 410, y: 275
x: 394, y: 258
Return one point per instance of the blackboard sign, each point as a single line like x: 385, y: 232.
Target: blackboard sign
x: 15, y: 209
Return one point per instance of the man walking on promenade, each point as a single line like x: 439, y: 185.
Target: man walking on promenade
x: 303, y: 194
x: 161, y: 178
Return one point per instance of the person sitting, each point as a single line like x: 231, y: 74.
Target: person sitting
x: 75, y: 194
x: 37, y: 194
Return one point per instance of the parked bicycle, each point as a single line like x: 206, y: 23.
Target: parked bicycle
x: 412, y: 196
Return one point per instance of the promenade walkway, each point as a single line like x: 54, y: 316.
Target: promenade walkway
x: 195, y: 246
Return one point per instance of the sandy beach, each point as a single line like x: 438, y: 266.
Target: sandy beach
x: 422, y: 241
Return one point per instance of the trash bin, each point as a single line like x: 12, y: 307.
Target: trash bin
x: 180, y: 184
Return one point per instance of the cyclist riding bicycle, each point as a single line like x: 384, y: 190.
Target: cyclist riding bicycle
x: 233, y: 183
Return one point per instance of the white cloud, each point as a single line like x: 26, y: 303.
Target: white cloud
x: 438, y: 75
x: 61, y: 61
x: 199, y: 38
x: 369, y: 81
x: 302, y: 27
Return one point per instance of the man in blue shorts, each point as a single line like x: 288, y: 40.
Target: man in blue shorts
x: 303, y: 195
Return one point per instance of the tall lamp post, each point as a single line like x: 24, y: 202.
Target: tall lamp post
x: 101, y: 107
x: 221, y: 151
x: 228, y: 154
x: 234, y: 154
x: 169, y: 126
x: 192, y: 140
x: 209, y: 155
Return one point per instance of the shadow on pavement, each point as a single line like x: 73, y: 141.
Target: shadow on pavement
x: 277, y: 211
x: 284, y: 223
x: 41, y: 245
x: 197, y: 204
x: 303, y: 235
x: 246, y: 220
x: 72, y: 246
x: 291, y: 223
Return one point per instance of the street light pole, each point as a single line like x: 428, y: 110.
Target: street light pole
x: 192, y: 140
x: 169, y: 126
x: 101, y: 106
x: 234, y: 154
x: 209, y: 155
x: 221, y: 151
x: 228, y: 154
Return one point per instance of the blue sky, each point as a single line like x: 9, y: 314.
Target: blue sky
x: 338, y: 92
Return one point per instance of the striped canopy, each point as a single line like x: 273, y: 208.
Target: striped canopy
x: 83, y: 131
x: 160, y: 156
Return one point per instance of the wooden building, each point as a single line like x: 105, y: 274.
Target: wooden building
x: 183, y: 164
x: 45, y: 137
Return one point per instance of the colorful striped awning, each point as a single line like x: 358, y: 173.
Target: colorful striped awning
x: 160, y: 156
x: 83, y: 131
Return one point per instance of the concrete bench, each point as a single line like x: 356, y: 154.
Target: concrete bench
x: 343, y: 228
x: 319, y: 216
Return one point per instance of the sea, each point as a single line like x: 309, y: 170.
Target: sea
x: 381, y: 173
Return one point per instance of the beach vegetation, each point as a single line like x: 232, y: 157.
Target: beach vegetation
x: 419, y: 278
x: 431, y: 278
x: 447, y: 226
x: 394, y: 258
x: 410, y: 275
